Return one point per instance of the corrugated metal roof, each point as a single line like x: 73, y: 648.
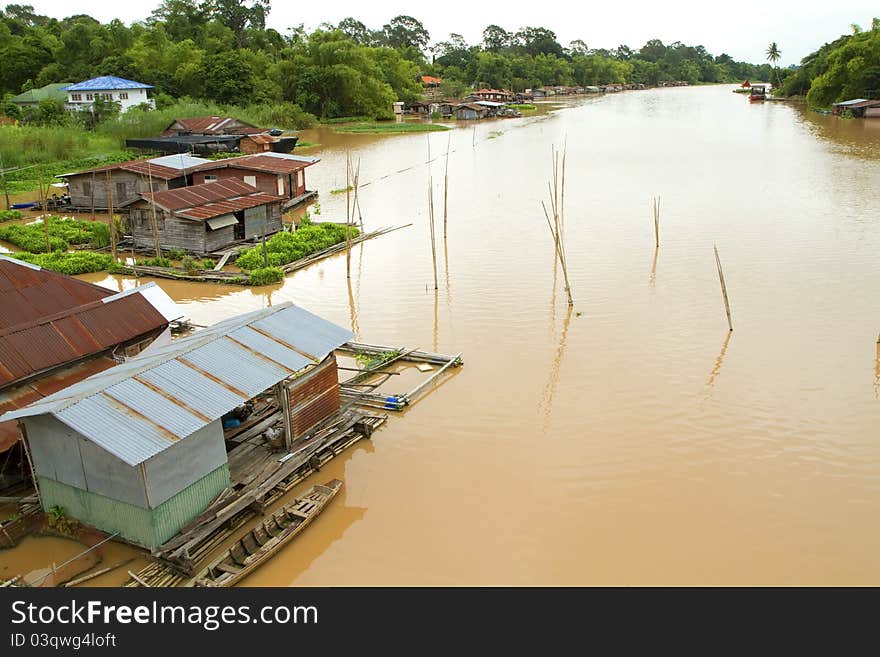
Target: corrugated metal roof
x: 212, y: 199
x: 167, y: 167
x: 143, y: 406
x: 213, y: 125
x: 76, y: 332
x: 270, y: 162
x: 106, y: 83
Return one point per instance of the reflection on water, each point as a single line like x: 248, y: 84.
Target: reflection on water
x: 604, y: 431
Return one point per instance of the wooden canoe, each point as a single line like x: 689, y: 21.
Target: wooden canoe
x: 262, y: 542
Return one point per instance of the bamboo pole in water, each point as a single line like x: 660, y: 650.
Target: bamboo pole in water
x: 347, y: 214
x: 5, y: 185
x: 656, y: 221
x: 555, y: 224
x: 446, y: 184
x: 723, y: 288
x: 431, y: 225
x: 356, y: 204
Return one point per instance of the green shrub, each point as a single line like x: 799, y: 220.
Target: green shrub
x: 283, y: 248
x: 62, y: 233
x: 190, y: 264
x: 79, y: 262
x: 176, y: 254
x: 266, y: 276
x: 9, y: 215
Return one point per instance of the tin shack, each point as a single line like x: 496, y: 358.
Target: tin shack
x: 138, y: 450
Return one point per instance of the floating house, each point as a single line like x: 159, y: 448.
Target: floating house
x: 470, y: 111
x: 126, y: 181
x: 859, y: 108
x: 207, y: 135
x: 138, y: 450
x: 211, y: 125
x: 33, y: 97
x: 56, y: 330
x: 128, y: 93
x: 278, y: 174
x: 206, y: 217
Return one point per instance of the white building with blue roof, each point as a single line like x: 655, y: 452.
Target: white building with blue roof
x: 128, y: 93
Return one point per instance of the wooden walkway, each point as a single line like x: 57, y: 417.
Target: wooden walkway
x: 259, y: 478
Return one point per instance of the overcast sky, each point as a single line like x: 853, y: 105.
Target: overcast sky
x: 742, y: 28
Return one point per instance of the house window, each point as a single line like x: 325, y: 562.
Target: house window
x: 87, y: 188
x: 300, y: 178
x: 90, y: 97
x: 211, y: 178
x: 123, y: 95
x: 120, y: 189
x: 76, y: 97
x: 251, y: 180
x: 107, y: 96
x: 280, y: 185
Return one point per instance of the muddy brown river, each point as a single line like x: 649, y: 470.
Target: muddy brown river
x: 631, y: 440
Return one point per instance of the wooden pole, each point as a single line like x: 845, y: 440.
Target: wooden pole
x: 43, y: 209
x: 446, y: 184
x: 93, y: 195
x: 347, y: 214
x: 5, y: 186
x: 110, y: 216
x: 265, y: 250
x: 431, y: 226
x: 723, y: 288
x: 356, y: 204
x: 153, y: 220
x: 656, y: 221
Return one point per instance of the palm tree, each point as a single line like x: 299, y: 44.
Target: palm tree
x: 773, y: 55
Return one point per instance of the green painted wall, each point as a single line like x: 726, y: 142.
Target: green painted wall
x: 147, y: 527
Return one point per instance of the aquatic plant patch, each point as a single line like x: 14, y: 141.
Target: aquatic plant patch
x: 283, y: 248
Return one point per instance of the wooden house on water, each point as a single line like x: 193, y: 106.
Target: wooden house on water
x: 56, y: 330
x: 859, y: 108
x: 206, y: 217
x: 278, y: 174
x: 138, y: 450
x: 470, y: 111
x: 126, y: 181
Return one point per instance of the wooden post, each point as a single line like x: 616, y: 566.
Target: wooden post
x: 723, y: 288
x: 93, y: 195
x: 656, y: 221
x: 265, y: 251
x: 43, y: 209
x: 5, y: 187
x: 153, y: 220
x: 446, y: 184
x: 110, y: 216
x: 431, y: 225
x: 348, y: 177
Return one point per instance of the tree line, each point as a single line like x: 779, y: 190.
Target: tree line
x: 221, y: 51
x: 846, y: 68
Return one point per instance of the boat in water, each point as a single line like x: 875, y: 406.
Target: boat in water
x: 262, y: 542
x: 758, y: 93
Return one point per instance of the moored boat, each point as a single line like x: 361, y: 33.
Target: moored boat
x: 259, y: 544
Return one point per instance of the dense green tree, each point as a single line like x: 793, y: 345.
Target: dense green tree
x: 355, y: 30
x: 405, y: 31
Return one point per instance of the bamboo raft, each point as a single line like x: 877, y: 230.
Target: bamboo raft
x: 354, y: 391
x: 267, y: 538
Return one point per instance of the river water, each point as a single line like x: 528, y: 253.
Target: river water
x: 633, y: 440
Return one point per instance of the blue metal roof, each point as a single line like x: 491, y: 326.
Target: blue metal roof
x: 107, y: 83
x: 143, y: 406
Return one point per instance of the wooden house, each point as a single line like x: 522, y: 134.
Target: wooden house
x: 57, y: 330
x: 126, y: 181
x: 493, y: 95
x: 278, y: 174
x: 470, y: 111
x: 859, y: 108
x: 206, y: 217
x: 138, y: 450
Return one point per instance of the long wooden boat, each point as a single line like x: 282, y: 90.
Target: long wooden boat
x: 263, y: 541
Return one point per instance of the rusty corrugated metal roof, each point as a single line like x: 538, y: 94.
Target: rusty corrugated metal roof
x: 154, y: 167
x: 211, y: 199
x: 28, y: 292
x: 213, y: 125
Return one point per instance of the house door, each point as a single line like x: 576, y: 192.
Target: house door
x: 238, y: 229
